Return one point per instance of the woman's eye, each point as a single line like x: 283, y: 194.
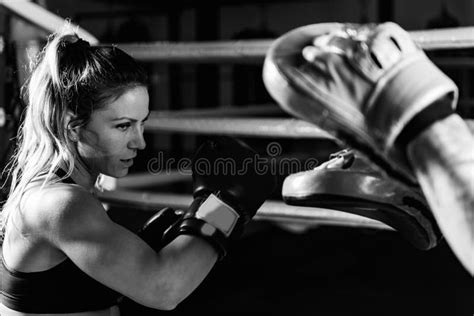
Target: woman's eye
x: 123, y: 126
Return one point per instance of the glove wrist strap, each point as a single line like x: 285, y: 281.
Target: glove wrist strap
x: 200, y: 228
x: 425, y: 118
x: 211, y: 219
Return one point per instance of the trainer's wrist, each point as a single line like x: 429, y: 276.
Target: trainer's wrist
x: 440, y: 143
x: 436, y: 112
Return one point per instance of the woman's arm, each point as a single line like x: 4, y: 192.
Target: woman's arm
x: 77, y: 224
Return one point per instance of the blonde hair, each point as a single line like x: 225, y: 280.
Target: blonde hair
x: 69, y: 80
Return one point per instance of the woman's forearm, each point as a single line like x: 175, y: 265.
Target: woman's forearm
x: 189, y: 260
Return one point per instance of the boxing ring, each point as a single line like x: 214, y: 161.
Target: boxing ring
x: 228, y: 121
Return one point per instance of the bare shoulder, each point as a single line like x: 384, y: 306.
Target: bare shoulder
x: 60, y: 208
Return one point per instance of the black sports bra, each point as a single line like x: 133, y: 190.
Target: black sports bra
x: 62, y: 289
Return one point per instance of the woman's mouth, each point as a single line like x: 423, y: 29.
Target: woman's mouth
x: 127, y: 162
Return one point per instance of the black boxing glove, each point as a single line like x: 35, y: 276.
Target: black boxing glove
x: 154, y: 230
x: 230, y: 183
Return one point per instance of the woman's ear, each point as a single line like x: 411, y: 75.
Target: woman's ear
x: 71, y: 130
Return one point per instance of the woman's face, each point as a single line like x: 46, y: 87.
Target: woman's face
x: 110, y: 141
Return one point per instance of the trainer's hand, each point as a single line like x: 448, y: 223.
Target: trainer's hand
x: 362, y: 83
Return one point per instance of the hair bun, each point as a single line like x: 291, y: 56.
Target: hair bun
x: 80, y: 43
x: 73, y: 42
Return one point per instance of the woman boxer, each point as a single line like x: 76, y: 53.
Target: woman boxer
x: 86, y: 108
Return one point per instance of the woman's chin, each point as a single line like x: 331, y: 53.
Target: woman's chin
x: 119, y: 173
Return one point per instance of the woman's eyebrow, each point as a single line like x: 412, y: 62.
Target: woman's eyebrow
x: 131, y: 119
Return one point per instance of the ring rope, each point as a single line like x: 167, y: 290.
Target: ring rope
x: 42, y: 18
x: 253, y: 51
x: 243, y: 51
x: 245, y: 127
x: 270, y: 210
x: 447, y: 38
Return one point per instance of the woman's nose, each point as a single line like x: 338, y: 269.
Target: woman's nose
x: 138, y: 141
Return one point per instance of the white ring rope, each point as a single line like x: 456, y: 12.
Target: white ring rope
x: 233, y: 120
x: 244, y: 51
x: 448, y: 38
x: 270, y: 210
x: 42, y: 18
x: 226, y: 121
x: 245, y: 127
x: 253, y: 51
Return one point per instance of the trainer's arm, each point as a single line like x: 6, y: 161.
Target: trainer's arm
x: 443, y: 159
x: 120, y: 259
